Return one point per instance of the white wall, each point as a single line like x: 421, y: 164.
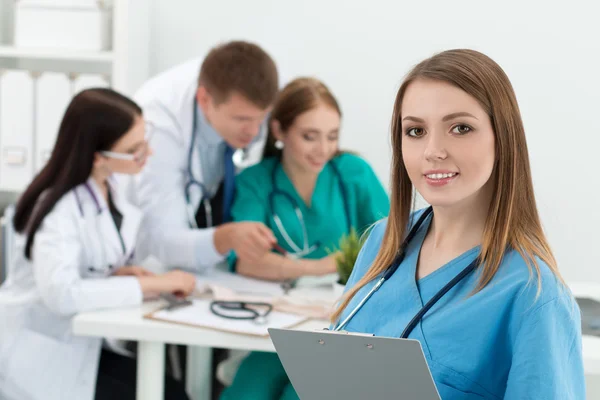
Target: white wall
x: 363, y: 49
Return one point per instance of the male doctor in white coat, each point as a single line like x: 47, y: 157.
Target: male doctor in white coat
x: 207, y: 116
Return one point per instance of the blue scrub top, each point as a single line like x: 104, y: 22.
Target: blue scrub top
x: 500, y: 343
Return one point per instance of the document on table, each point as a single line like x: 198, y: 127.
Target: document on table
x: 199, y: 314
x: 238, y: 283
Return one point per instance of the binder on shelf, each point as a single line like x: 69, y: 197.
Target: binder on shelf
x: 53, y: 97
x: 16, y: 129
x: 86, y: 81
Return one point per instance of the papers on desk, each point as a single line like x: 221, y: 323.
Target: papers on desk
x: 199, y: 314
x: 289, y: 309
x: 316, y: 302
x: 237, y: 283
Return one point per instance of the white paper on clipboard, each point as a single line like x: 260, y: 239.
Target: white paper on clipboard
x: 199, y: 315
x: 313, y: 303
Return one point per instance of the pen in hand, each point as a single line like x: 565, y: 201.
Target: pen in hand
x: 280, y: 249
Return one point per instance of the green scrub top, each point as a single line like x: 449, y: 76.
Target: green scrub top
x: 325, y: 219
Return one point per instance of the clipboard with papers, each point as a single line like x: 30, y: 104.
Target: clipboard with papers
x: 198, y: 314
x: 341, y: 365
x: 287, y: 310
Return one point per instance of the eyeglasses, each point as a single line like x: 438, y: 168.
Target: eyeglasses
x: 140, y: 154
x: 241, y: 310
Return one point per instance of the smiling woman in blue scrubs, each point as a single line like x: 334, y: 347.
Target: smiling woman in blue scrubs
x: 310, y: 194
x: 510, y: 329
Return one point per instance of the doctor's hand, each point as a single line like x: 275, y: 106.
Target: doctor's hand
x: 250, y: 240
x: 175, y: 282
x: 133, y: 271
x: 178, y: 282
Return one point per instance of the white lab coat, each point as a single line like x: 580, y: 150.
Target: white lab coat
x: 39, y: 356
x: 168, y: 103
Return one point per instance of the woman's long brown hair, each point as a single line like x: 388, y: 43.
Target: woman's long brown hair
x: 513, y: 221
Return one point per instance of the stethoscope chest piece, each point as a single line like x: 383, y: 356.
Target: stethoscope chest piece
x: 241, y: 158
x: 304, y: 249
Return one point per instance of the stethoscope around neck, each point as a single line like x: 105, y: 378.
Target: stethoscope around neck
x: 99, y: 211
x: 240, y: 157
x: 387, y: 274
x: 306, y: 249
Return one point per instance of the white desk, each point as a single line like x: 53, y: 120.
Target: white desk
x: 129, y: 324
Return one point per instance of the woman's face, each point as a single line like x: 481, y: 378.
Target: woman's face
x: 129, y: 154
x: 448, y: 143
x: 312, y: 140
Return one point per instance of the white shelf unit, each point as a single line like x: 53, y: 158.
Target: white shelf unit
x: 123, y: 67
x: 8, y: 52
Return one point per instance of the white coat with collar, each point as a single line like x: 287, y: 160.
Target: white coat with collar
x: 168, y: 102
x: 69, y: 272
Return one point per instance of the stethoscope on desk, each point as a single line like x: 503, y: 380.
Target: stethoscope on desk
x: 387, y: 274
x: 241, y: 310
x: 239, y: 157
x: 306, y: 248
x: 99, y: 211
x: 234, y: 310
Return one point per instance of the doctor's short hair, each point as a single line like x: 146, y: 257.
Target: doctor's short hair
x: 240, y: 67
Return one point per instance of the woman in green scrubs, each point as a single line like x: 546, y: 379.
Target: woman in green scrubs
x: 310, y: 194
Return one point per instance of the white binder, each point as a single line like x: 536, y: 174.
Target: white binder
x: 16, y: 130
x: 87, y: 81
x: 53, y: 97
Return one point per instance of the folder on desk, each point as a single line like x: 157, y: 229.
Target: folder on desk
x: 335, y: 365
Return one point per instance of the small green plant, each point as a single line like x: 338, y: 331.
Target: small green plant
x: 345, y: 257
